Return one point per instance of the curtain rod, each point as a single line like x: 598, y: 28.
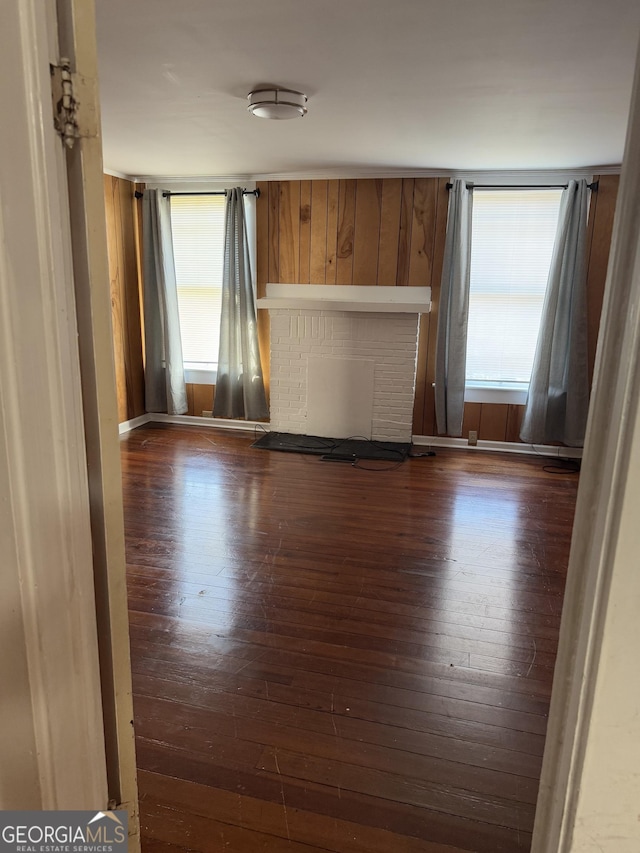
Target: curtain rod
x: 167, y: 193
x: 593, y: 186
x: 255, y: 192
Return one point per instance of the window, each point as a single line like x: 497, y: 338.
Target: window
x: 513, y: 234
x: 197, y: 224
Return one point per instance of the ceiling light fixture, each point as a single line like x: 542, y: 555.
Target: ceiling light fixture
x: 276, y: 103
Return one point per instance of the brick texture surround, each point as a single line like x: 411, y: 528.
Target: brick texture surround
x: 389, y: 340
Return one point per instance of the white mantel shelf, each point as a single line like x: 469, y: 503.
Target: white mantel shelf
x: 347, y: 297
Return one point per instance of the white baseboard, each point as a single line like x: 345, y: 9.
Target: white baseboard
x: 500, y: 446
x: 208, y: 423
x: 418, y: 440
x: 127, y: 426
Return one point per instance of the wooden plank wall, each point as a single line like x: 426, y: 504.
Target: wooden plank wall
x: 391, y: 232
x: 125, y: 296
x: 387, y: 231
x: 349, y: 231
x: 199, y: 399
x: 365, y: 232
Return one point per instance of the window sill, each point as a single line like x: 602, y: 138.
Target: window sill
x: 201, y: 375
x: 495, y: 394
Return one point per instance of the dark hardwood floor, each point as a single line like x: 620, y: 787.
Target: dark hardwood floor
x: 331, y: 658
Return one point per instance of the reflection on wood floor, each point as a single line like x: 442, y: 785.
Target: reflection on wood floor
x: 332, y: 658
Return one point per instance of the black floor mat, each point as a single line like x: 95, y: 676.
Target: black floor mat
x: 351, y: 448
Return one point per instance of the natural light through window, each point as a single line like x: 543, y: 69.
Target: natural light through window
x: 197, y: 223
x: 513, y: 233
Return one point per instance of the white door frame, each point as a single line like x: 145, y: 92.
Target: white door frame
x: 45, y: 533
x: 85, y: 180
x: 590, y: 785
x: 66, y: 736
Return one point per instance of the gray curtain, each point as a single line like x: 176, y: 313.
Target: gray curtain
x: 558, y: 399
x: 165, y: 389
x: 239, y: 386
x: 453, y: 312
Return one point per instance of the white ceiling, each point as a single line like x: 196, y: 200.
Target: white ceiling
x: 393, y: 85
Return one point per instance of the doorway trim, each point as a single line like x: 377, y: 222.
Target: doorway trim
x: 600, y: 553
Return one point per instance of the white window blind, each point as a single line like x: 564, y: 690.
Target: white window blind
x: 513, y: 233
x: 197, y: 223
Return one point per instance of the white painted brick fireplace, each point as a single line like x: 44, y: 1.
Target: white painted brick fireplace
x: 343, y: 359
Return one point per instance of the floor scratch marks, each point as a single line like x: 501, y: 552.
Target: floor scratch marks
x: 284, y: 804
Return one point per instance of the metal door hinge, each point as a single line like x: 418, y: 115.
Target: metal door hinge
x: 65, y: 106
